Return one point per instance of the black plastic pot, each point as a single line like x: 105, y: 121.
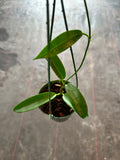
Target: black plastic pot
x: 52, y: 116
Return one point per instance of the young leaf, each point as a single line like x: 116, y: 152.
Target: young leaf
x: 75, y: 100
x: 60, y: 43
x: 33, y: 102
x: 58, y: 67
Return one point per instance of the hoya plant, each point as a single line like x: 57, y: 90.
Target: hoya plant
x: 59, y: 98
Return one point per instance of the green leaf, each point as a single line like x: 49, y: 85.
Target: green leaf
x: 60, y: 43
x: 58, y: 67
x: 33, y: 102
x: 75, y: 100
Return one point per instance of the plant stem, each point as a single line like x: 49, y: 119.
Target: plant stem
x: 48, y: 40
x: 71, y: 50
x: 89, y: 39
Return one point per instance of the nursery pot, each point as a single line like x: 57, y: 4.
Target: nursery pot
x: 60, y: 110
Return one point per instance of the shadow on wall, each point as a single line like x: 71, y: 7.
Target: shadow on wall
x: 3, y: 34
x: 7, y: 60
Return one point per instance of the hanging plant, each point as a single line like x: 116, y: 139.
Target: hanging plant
x: 59, y: 98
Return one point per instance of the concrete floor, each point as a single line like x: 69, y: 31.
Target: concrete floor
x: 32, y: 136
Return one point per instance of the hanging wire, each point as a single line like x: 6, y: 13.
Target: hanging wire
x: 52, y: 20
x: 49, y: 37
x: 71, y: 50
x: 48, y: 40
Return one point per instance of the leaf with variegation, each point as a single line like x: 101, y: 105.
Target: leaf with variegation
x: 60, y: 43
x: 74, y: 98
